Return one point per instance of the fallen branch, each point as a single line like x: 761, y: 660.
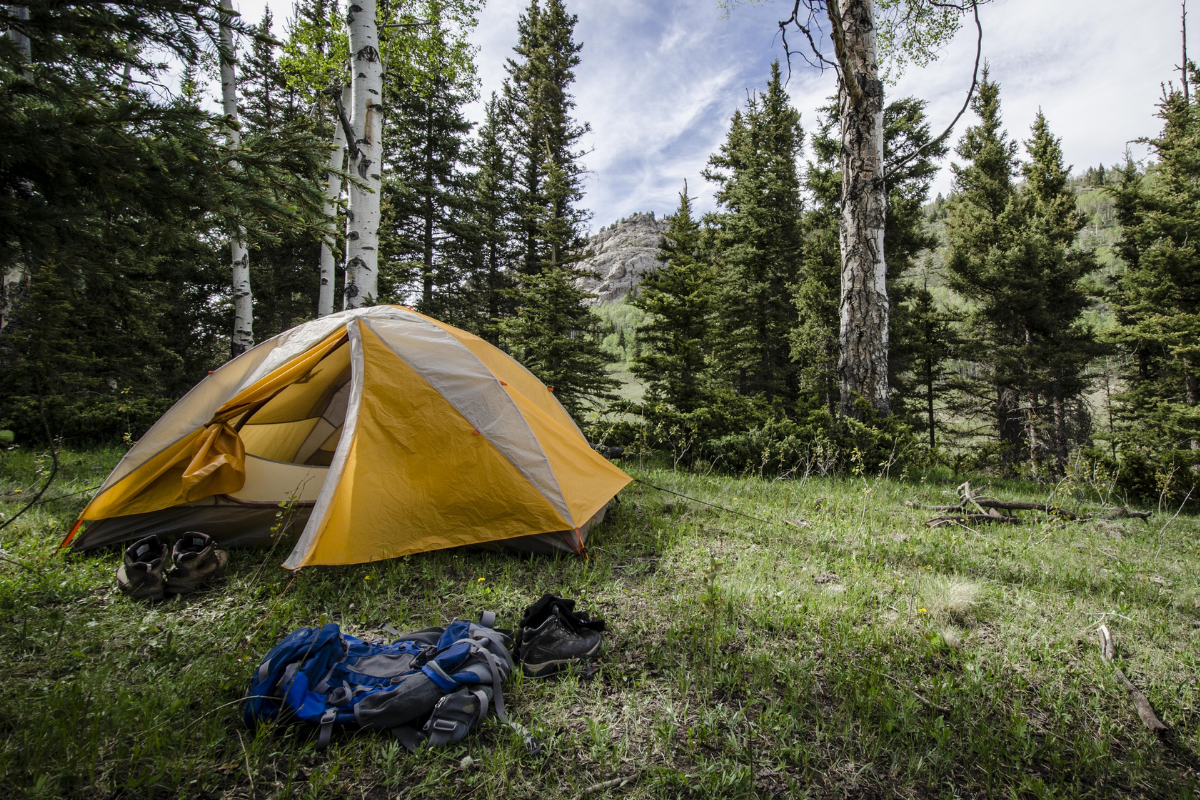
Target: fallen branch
x: 1108, y: 648
x: 613, y: 783
x: 961, y: 519
x: 989, y: 509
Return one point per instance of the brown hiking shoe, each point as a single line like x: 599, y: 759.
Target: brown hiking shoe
x: 141, y: 574
x: 197, y: 562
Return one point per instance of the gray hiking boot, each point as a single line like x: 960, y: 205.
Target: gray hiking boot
x: 555, y: 644
x: 141, y: 574
x: 197, y: 562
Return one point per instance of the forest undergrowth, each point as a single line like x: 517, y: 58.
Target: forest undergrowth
x: 838, y: 648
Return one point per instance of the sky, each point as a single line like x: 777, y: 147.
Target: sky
x: 659, y: 80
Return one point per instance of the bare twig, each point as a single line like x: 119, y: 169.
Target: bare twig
x: 966, y: 103
x: 1108, y: 649
x: 49, y: 480
x: 1172, y: 519
x: 22, y: 565
x: 938, y: 522
x: 612, y: 783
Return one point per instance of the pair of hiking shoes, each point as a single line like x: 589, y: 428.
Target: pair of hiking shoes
x: 195, y: 561
x: 553, y: 636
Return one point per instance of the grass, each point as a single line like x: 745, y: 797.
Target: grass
x: 862, y: 655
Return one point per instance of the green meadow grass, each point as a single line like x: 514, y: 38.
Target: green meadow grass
x: 859, y: 655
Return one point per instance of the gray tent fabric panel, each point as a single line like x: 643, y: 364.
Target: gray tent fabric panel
x: 230, y: 525
x: 545, y: 544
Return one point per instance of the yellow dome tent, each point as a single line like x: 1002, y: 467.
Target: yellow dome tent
x: 388, y: 431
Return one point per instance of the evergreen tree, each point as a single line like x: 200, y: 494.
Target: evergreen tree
x: 112, y: 200
x: 818, y: 286
x: 906, y: 236
x: 758, y: 241
x: 930, y: 340
x: 425, y: 193
x: 680, y: 299
x: 1062, y: 343
x: 490, y: 230
x: 284, y: 268
x: 541, y: 126
x: 981, y: 225
x: 1012, y: 253
x: 554, y: 333
x: 1157, y: 298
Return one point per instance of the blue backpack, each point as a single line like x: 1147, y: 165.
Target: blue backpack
x: 446, y: 678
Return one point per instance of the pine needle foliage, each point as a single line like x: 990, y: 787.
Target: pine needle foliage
x: 680, y: 297
x: 1157, y: 298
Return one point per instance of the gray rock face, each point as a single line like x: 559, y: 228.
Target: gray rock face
x: 621, y: 255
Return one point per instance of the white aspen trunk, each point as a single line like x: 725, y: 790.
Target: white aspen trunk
x: 243, y: 298
x: 18, y: 38
x: 333, y: 190
x: 366, y: 122
x: 862, y: 364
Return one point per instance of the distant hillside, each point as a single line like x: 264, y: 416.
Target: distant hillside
x: 620, y: 255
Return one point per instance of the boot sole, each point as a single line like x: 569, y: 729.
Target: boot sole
x: 548, y: 668
x: 144, y: 595
x: 190, y: 587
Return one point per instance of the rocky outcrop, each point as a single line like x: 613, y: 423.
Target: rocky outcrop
x: 621, y: 255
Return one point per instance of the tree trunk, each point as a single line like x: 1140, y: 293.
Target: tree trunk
x: 19, y: 39
x: 862, y: 365
x: 1009, y: 424
x: 333, y: 190
x: 1060, y: 433
x: 366, y: 122
x: 427, y: 233
x: 243, y: 297
x: 1191, y: 391
x: 14, y: 280
x: 929, y: 385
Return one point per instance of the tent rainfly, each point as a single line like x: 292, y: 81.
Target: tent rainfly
x: 386, y: 431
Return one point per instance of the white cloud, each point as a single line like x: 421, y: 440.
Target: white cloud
x: 659, y: 80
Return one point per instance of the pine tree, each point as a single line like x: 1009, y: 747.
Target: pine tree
x: 1012, y: 253
x: 283, y: 269
x: 425, y: 188
x: 554, y: 333
x: 1157, y: 298
x: 983, y: 220
x: 906, y: 235
x: 818, y: 285
x: 680, y: 297
x: 491, y: 261
x: 758, y: 241
x: 930, y: 341
x: 541, y: 126
x: 1063, y: 344
x: 113, y: 202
